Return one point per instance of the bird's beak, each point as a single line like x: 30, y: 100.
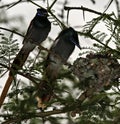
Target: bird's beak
x: 73, y: 41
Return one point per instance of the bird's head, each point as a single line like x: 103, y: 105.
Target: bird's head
x: 71, y: 35
x: 42, y: 12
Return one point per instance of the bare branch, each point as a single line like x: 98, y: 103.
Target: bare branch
x: 18, y: 118
x: 52, y: 4
x: 12, y: 31
x: 90, y: 10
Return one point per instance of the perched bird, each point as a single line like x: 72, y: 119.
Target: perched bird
x: 37, y: 32
x: 60, y: 51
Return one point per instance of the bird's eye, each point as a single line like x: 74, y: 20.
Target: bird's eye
x: 39, y: 14
x: 42, y: 14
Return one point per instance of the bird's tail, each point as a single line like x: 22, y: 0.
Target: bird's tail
x: 5, y: 90
x: 16, y: 65
x: 21, y: 57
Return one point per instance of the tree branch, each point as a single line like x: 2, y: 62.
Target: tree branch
x: 89, y: 35
x: 26, y: 75
x: 52, y: 4
x: 90, y: 10
x: 22, y: 117
x: 6, y: 29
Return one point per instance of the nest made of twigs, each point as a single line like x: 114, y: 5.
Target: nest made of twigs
x: 96, y: 71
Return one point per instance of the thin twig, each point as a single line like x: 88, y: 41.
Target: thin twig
x: 83, y: 8
x: 118, y: 8
x: 6, y: 29
x: 62, y: 25
x: 14, y: 4
x: 52, y: 4
x: 108, y: 6
x: 19, y: 118
x: 90, y: 10
x: 34, y: 61
x: 92, y: 37
x: 35, y: 3
x: 26, y: 75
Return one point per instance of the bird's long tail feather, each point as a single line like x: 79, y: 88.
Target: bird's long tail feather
x: 16, y: 65
x: 5, y: 90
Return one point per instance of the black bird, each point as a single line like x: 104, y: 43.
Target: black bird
x: 60, y: 51
x: 37, y: 32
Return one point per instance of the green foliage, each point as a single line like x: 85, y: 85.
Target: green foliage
x: 102, y: 40
x: 8, y: 49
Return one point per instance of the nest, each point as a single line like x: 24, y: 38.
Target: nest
x: 96, y: 71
